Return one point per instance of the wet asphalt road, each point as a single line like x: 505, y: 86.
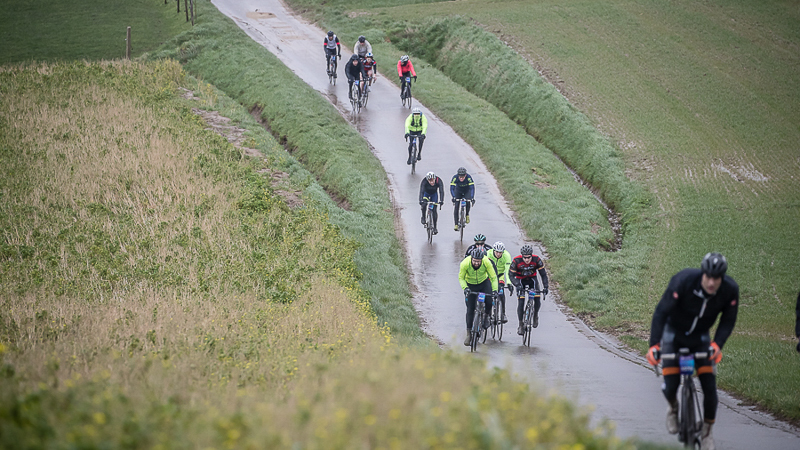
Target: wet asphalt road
x: 565, y: 355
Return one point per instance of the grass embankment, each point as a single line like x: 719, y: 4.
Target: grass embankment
x: 158, y: 292
x: 689, y: 144
x: 47, y: 30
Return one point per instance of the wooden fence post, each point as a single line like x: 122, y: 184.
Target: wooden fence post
x: 191, y: 5
x: 128, y: 44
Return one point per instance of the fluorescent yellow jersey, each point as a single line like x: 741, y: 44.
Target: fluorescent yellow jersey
x: 503, y: 263
x: 471, y: 275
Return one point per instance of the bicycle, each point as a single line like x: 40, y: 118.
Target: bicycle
x: 429, y: 226
x: 496, y: 318
x: 405, y: 92
x: 414, y: 152
x: 690, y: 412
x: 462, y: 217
x: 477, y: 322
x: 365, y: 95
x: 355, y: 96
x: 332, y: 70
x: 527, y: 315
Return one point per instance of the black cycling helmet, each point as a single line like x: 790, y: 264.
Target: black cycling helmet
x: 479, y: 238
x: 462, y: 171
x: 478, y: 253
x: 361, y: 39
x: 714, y: 265
x: 330, y: 33
x: 526, y: 250
x: 354, y: 57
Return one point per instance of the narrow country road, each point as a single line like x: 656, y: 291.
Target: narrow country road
x: 565, y: 355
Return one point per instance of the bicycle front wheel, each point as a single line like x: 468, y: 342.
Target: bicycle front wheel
x: 429, y: 226
x: 476, y: 327
x: 414, y: 157
x: 686, y: 419
x: 461, y: 222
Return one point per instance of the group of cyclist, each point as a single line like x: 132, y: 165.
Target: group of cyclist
x: 683, y: 317
x: 491, y: 270
x: 362, y: 66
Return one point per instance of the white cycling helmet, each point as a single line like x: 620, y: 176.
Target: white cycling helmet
x: 416, y: 111
x: 404, y: 59
x: 369, y: 55
x: 430, y: 175
x: 499, y: 246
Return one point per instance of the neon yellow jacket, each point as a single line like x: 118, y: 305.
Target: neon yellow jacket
x: 502, y: 263
x: 468, y: 274
x: 417, y: 125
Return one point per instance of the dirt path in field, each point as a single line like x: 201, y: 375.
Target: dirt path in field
x: 565, y: 354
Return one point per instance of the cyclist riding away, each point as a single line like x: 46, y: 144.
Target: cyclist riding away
x: 480, y: 242
x: 682, y: 319
x: 362, y: 47
x: 502, y: 262
x: 354, y: 71
x: 417, y: 125
x: 332, y: 47
x: 370, y: 67
x: 476, y: 274
x: 405, y: 69
x: 523, y: 276
x: 431, y: 190
x: 462, y: 186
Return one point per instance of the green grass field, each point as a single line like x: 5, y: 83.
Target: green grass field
x: 45, y: 30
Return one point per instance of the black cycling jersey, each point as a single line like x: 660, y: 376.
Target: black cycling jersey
x: 435, y: 192
x: 691, y: 312
x: 352, y: 71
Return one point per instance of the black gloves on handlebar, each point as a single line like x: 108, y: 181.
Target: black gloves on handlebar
x: 545, y: 290
x: 407, y: 136
x: 473, y: 202
x: 466, y: 292
x: 415, y: 78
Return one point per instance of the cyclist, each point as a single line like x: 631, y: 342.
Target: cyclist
x: 405, y: 69
x: 362, y: 47
x: 523, y: 275
x: 480, y: 242
x: 502, y: 261
x: 462, y: 186
x: 370, y: 67
x: 416, y: 124
x: 431, y: 190
x: 354, y: 71
x: 332, y: 47
x: 687, y: 310
x: 475, y: 275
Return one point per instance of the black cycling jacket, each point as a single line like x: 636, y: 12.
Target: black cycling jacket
x: 692, y: 312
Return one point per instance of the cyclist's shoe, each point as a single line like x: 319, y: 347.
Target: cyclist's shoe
x: 467, y: 218
x: 456, y: 227
x: 521, y: 329
x: 422, y: 220
x: 419, y: 157
x: 486, y: 322
x: 504, y: 319
x: 706, y: 440
x: 535, y: 320
x: 468, y: 340
x: 435, y: 230
x: 672, y: 418
x: 409, y: 161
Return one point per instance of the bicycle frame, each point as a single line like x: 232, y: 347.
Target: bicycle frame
x: 429, y: 226
x: 462, y: 216
x: 477, y: 320
x: 690, y: 413
x: 527, y: 315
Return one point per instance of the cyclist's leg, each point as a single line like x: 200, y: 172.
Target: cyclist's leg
x: 421, y: 140
x: 469, y: 203
x: 471, y: 300
x: 435, y: 198
x: 424, y: 207
x: 670, y: 368
x: 708, y: 381
x: 328, y: 59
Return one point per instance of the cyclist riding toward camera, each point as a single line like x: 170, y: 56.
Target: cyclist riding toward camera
x: 462, y: 186
x: 431, y: 190
x: 476, y: 274
x: 362, y: 47
x: 682, y: 319
x: 354, y: 71
x: 332, y: 47
x: 522, y: 273
x: 502, y: 262
x: 370, y: 67
x: 416, y: 125
x: 480, y: 242
x: 405, y: 69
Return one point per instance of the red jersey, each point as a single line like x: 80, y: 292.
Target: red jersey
x: 521, y: 269
x: 401, y: 69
